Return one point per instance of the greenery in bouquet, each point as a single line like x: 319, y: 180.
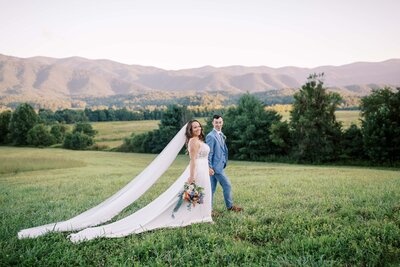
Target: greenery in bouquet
x: 192, y: 194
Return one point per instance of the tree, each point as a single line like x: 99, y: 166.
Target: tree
x: 70, y: 116
x: 315, y: 131
x: 92, y: 116
x: 381, y: 125
x: 80, y: 138
x: 58, y: 131
x: 101, y: 114
x: 77, y: 141
x: 85, y: 128
x: 352, y: 143
x: 39, y: 135
x: 22, y: 120
x: 159, y: 139
x: 280, y: 136
x: 110, y: 114
x: 173, y: 119
x: 5, y: 118
x: 134, y: 143
x: 46, y: 116
x: 247, y: 128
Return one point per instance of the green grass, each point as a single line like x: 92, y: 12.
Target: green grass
x: 21, y: 163
x: 294, y: 215
x: 112, y: 133
x: 347, y: 117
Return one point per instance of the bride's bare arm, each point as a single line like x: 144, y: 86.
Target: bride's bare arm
x: 193, y: 147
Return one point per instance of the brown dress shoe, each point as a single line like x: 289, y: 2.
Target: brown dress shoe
x: 235, y: 208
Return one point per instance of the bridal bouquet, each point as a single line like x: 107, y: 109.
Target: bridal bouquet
x: 192, y: 194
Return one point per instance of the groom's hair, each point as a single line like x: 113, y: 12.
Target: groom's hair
x: 216, y: 117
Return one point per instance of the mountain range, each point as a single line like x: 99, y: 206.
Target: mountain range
x: 44, y: 77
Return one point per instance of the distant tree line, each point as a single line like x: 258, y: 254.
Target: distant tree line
x: 24, y: 127
x: 209, y: 100
x: 70, y: 116
x: 312, y: 135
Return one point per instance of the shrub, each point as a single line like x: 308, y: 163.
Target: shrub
x: 77, y: 141
x: 85, y: 128
x: 81, y: 137
x: 39, y: 135
x: 58, y: 131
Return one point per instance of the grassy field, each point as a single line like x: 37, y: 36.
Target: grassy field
x: 294, y: 215
x: 112, y: 133
x: 347, y: 117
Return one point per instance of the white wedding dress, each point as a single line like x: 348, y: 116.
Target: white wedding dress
x: 158, y: 213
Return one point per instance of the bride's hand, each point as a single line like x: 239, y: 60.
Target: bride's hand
x: 190, y: 180
x: 211, y: 172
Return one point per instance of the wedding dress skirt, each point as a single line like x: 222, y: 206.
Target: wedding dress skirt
x: 113, y: 205
x: 158, y: 213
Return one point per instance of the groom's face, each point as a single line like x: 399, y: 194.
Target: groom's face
x: 217, y: 123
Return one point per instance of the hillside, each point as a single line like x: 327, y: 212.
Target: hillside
x: 68, y: 80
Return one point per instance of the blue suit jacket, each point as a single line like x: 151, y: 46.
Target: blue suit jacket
x: 218, y: 156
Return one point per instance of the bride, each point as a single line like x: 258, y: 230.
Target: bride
x: 160, y: 213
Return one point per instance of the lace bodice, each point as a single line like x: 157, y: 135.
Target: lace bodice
x: 203, y: 151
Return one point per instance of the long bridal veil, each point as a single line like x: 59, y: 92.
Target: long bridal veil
x: 152, y: 216
x: 120, y: 200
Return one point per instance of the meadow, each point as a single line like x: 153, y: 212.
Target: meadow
x: 294, y: 215
x: 112, y: 133
x: 346, y: 117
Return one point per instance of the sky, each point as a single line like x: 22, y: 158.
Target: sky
x: 173, y: 34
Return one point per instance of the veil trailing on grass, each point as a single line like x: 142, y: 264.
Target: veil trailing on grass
x: 123, y: 198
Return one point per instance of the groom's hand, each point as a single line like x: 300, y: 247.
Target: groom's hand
x: 211, y: 171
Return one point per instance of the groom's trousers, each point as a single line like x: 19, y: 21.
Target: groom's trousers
x: 226, y: 187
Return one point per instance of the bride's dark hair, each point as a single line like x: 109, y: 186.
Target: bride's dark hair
x: 189, y: 131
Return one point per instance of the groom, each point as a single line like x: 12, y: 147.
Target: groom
x: 217, y: 159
